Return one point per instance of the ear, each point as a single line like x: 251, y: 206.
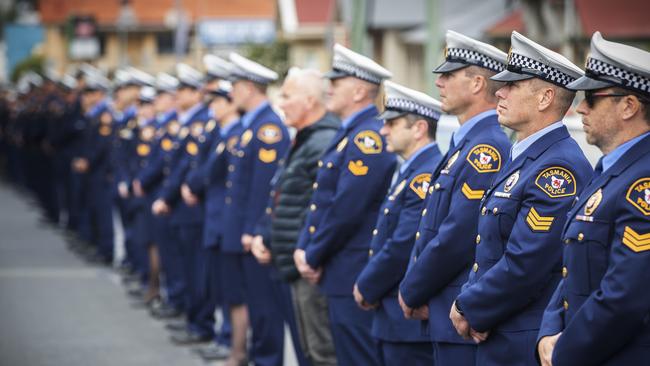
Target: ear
x: 359, y: 93
x: 545, y: 98
x: 421, y: 129
x: 477, y: 84
x: 629, y: 107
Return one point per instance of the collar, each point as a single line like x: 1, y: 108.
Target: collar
x: 185, y: 117
x: 97, y: 109
x: 460, y: 134
x: 519, y: 147
x: 348, y: 121
x: 611, y: 158
x: 165, y: 117
x: 228, y: 126
x: 249, y: 117
x: 408, y: 162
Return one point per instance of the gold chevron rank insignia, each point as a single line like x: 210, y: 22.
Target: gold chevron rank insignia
x: 538, y: 223
x: 357, y: 168
x: 267, y: 156
x: 472, y: 194
x: 635, y: 241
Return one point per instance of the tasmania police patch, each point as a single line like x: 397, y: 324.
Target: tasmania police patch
x: 639, y: 195
x: 484, y: 158
x: 556, y: 182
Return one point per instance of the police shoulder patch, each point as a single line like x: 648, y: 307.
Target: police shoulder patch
x: 357, y: 168
x: 184, y: 131
x: 639, y: 195
x: 635, y: 241
x: 269, y: 133
x: 369, y: 142
x: 267, y: 156
x: 484, y: 158
x: 556, y: 182
x: 420, y: 184
x: 147, y: 133
x: 220, y: 148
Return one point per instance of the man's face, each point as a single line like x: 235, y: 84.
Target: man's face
x: 146, y: 111
x: 399, y: 136
x: 516, y: 99
x: 163, y: 102
x: 186, y: 97
x: 293, y: 103
x: 340, y: 95
x: 453, y: 87
x: 598, y: 118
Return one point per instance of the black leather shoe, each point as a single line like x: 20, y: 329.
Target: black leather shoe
x: 166, y: 311
x: 176, y: 326
x: 214, y: 352
x: 185, y: 337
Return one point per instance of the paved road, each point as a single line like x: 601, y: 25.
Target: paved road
x: 56, y: 310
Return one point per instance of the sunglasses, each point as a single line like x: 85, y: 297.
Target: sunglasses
x: 590, y: 97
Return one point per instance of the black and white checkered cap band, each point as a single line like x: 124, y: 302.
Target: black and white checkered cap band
x: 409, y: 106
x: 238, y: 74
x: 543, y: 71
x: 474, y: 58
x: 356, y: 72
x: 627, y: 78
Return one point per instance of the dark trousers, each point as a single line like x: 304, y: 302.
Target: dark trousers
x: 405, y: 353
x: 454, y: 354
x: 171, y: 261
x: 190, y: 240
x: 351, y: 332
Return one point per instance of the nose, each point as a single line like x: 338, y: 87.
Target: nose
x: 385, y: 130
x: 502, y: 92
x: 582, y: 108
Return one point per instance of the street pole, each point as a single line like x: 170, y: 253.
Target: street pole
x: 433, y: 45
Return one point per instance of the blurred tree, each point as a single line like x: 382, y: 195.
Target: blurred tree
x: 32, y: 63
x: 272, y: 55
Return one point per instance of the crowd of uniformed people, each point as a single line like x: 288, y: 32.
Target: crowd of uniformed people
x: 342, y: 221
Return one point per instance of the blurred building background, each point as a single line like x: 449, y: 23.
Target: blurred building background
x: 406, y: 36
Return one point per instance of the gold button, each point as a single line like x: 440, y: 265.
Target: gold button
x: 430, y: 190
x: 329, y: 165
x: 231, y: 168
x: 478, y: 238
x: 581, y: 237
x: 386, y: 211
x: 272, y: 193
x: 320, y: 163
x: 475, y: 267
x: 495, y: 210
x: 567, y: 241
x: 374, y: 232
x: 417, y: 235
x: 240, y: 153
x: 565, y: 272
x: 483, y: 211
x: 424, y: 212
x: 228, y: 200
x: 566, y: 305
x: 228, y: 184
x: 312, y: 207
x: 312, y: 229
x: 436, y: 186
x: 315, y: 185
x: 269, y: 210
x: 370, y: 252
x: 415, y: 258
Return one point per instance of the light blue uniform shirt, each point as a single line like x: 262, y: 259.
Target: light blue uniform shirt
x: 519, y: 147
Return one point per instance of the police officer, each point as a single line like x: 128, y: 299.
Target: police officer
x: 518, y: 255
x: 94, y: 164
x: 444, y: 247
x: 410, y: 122
x: 352, y: 181
x: 251, y: 165
x: 149, y: 182
x: 599, y: 312
x: 208, y: 182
